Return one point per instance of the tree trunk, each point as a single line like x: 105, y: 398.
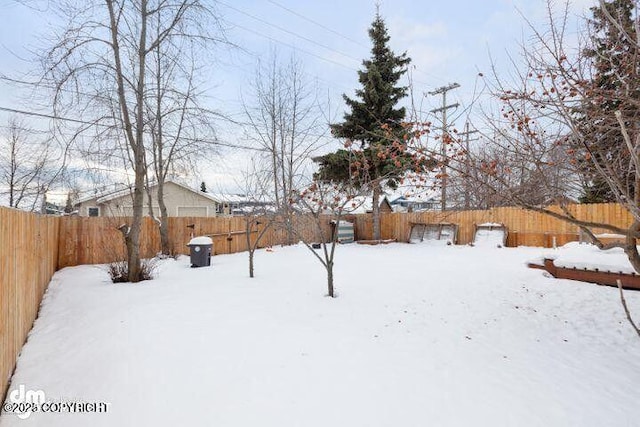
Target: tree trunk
x: 133, y: 236
x: 330, y: 278
x: 133, y: 243
x: 251, y: 248
x: 135, y: 141
x: 251, y: 262
x: 165, y: 244
x: 631, y: 248
x: 376, y: 211
x: 289, y: 220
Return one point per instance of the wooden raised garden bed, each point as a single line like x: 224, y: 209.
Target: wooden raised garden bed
x: 608, y: 278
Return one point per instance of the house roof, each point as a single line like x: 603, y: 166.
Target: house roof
x: 414, y: 195
x: 229, y: 198
x: 107, y: 196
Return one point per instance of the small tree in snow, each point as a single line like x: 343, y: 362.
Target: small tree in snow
x: 259, y: 213
x: 327, y: 202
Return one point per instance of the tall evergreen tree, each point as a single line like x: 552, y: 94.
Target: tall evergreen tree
x: 373, y: 121
x: 615, y: 86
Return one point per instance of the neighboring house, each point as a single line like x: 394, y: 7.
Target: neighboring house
x: 239, y: 204
x: 53, y: 209
x: 180, y: 200
x: 413, y: 204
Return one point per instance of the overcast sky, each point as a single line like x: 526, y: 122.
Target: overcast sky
x: 448, y: 41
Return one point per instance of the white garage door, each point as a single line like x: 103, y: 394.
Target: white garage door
x: 123, y: 211
x: 192, y: 211
x: 128, y: 211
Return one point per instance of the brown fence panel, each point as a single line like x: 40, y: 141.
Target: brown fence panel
x: 526, y: 228
x: 98, y: 240
x: 28, y: 259
x: 228, y: 233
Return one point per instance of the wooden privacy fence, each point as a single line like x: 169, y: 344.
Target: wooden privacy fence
x: 28, y: 259
x: 97, y: 240
x: 526, y: 228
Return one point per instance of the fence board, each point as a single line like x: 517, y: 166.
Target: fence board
x: 528, y: 228
x: 96, y: 240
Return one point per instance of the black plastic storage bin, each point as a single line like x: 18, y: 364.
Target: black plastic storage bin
x: 200, y: 249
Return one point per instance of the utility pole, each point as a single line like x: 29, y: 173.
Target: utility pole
x: 445, y: 137
x: 467, y: 166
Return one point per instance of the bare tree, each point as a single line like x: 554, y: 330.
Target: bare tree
x: 181, y: 129
x: 286, y: 121
x: 557, y: 114
x: 509, y: 167
x: 326, y: 202
x: 343, y: 182
x: 260, y: 218
x: 99, y: 66
x: 585, y: 102
x: 29, y: 165
x: 259, y: 212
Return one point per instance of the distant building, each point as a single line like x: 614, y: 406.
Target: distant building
x: 413, y: 204
x: 53, y: 209
x: 180, y: 200
x: 240, y: 204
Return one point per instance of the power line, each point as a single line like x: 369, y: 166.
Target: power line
x: 213, y: 97
x: 299, y: 15
x: 67, y: 119
x: 322, y: 58
x: 227, y: 117
x: 293, y: 33
x: 294, y: 47
x: 329, y: 84
x: 49, y: 116
x: 284, y: 44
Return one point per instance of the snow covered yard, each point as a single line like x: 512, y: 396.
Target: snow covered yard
x: 419, y: 335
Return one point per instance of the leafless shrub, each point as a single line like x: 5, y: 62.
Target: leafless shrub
x: 119, y: 271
